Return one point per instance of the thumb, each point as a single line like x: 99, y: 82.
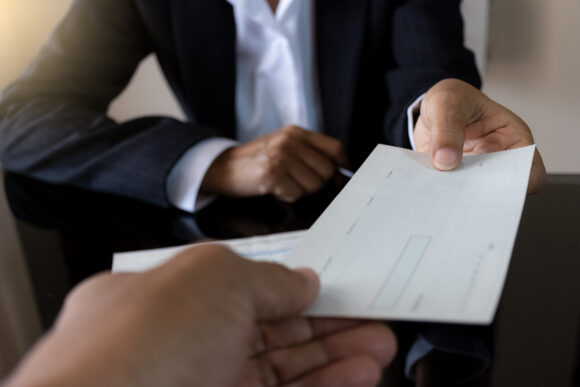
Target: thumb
x: 448, y: 108
x: 447, y: 139
x: 269, y: 291
x: 277, y: 292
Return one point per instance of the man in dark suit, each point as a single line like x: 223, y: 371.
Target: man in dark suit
x: 351, y: 70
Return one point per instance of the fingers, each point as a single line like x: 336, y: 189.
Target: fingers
x: 296, y: 330
x: 374, y: 341
x: 294, y: 177
x: 265, y: 291
x: 299, y: 162
x: 319, y: 152
x: 357, y: 371
x: 537, y: 174
x: 331, y: 147
x: 499, y: 130
x: 317, y: 162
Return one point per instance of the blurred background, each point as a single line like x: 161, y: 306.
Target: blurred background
x: 527, y: 50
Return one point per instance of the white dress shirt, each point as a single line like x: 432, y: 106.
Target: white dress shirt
x: 275, y: 87
x: 274, y: 77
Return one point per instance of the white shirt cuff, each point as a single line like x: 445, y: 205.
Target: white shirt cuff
x: 411, y: 112
x: 184, y: 180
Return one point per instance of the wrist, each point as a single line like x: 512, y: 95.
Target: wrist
x: 217, y: 175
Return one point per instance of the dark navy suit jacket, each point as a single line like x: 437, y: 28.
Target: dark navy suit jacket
x: 374, y: 57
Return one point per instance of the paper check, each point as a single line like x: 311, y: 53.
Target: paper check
x: 405, y: 241
x: 273, y: 248
x: 402, y: 240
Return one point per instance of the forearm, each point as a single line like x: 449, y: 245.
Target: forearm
x: 59, y: 142
x: 53, y: 122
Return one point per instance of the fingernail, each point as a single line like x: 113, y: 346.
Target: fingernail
x: 446, y: 159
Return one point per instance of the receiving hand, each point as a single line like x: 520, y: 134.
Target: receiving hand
x: 206, y: 318
x: 458, y: 119
x: 289, y: 164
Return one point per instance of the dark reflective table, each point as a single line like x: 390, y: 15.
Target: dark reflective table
x: 69, y: 234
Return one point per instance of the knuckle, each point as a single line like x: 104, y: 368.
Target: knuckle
x: 287, y: 130
x: 293, y: 129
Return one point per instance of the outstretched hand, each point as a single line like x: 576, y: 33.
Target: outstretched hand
x: 206, y: 318
x: 458, y: 119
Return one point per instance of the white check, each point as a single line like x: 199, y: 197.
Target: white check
x: 272, y: 248
x: 403, y: 241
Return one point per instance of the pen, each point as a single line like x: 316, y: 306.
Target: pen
x: 345, y: 172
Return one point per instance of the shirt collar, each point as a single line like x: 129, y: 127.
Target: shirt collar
x: 259, y: 10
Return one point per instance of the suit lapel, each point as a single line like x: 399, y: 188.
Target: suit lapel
x: 340, y: 27
x: 205, y: 35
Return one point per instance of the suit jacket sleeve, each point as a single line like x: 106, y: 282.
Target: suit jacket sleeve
x: 53, y: 122
x: 427, y: 46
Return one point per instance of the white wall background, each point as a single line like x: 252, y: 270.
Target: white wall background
x: 476, y: 13
x: 533, y: 64
x: 534, y: 69
x: 24, y: 26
